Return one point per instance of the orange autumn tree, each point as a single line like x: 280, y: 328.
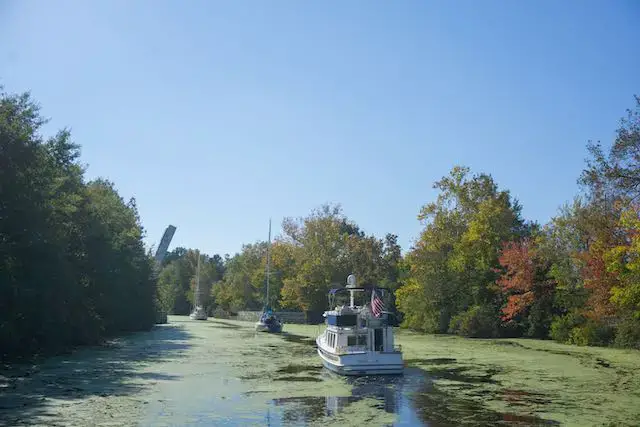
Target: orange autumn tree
x: 603, y: 234
x: 600, y: 281
x: 524, y: 280
x: 517, y: 282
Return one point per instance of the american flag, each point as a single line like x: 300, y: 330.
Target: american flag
x: 377, y: 305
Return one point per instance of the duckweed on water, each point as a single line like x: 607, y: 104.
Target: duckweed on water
x: 215, y: 371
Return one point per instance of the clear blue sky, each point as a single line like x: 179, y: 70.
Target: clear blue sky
x: 218, y: 115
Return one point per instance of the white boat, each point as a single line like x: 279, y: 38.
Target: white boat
x: 268, y: 321
x: 358, y: 340
x: 199, y: 312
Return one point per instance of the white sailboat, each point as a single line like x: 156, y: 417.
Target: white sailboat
x: 199, y: 313
x: 268, y: 321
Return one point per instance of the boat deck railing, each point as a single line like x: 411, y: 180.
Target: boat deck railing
x: 351, y: 349
x: 342, y: 350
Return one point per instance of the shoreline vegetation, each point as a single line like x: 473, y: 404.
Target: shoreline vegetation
x: 75, y: 269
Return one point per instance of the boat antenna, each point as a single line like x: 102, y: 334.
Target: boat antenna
x: 197, y: 298
x: 351, y: 283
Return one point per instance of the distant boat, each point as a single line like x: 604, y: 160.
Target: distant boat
x: 268, y: 321
x: 199, y: 313
x: 358, y: 340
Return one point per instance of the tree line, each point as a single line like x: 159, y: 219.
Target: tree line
x: 73, y: 265
x: 312, y: 255
x: 74, y: 268
x: 478, y: 268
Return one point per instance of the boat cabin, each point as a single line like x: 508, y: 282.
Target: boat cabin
x: 355, y: 329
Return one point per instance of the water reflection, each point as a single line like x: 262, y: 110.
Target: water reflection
x: 413, y: 398
x: 387, y: 392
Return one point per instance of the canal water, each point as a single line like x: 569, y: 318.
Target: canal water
x: 277, y: 380
x: 223, y: 373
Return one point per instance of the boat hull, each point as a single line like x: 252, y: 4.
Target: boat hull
x: 263, y: 327
x: 198, y: 314
x: 366, y: 363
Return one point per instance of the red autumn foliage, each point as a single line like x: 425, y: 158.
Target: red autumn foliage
x: 519, y: 281
x: 599, y: 281
x: 516, y: 304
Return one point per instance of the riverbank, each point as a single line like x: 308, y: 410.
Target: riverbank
x: 220, y: 372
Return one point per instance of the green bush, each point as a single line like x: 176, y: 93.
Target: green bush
x: 628, y: 333
x: 511, y: 329
x: 476, y: 322
x: 220, y: 313
x: 539, y: 318
x: 561, y: 326
x: 592, y: 333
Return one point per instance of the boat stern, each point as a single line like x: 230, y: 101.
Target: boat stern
x: 263, y: 327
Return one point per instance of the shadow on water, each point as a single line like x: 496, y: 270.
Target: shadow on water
x: 92, y: 371
x: 296, y: 369
x: 435, y: 405
x: 464, y: 374
x: 306, y: 345
x: 298, y: 339
x: 223, y: 325
x: 433, y: 361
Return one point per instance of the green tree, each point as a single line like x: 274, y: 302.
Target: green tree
x: 169, y: 287
x: 453, y: 265
x: 324, y: 248
x: 70, y: 249
x: 242, y: 286
x: 617, y: 172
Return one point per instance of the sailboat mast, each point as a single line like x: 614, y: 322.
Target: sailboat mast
x: 198, y: 281
x: 268, y: 262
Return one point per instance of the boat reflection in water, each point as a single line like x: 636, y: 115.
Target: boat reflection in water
x: 390, y: 394
x: 386, y: 392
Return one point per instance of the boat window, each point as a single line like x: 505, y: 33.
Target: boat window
x: 353, y: 340
x: 342, y: 320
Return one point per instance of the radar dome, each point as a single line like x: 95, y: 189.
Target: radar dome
x: 351, y: 281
